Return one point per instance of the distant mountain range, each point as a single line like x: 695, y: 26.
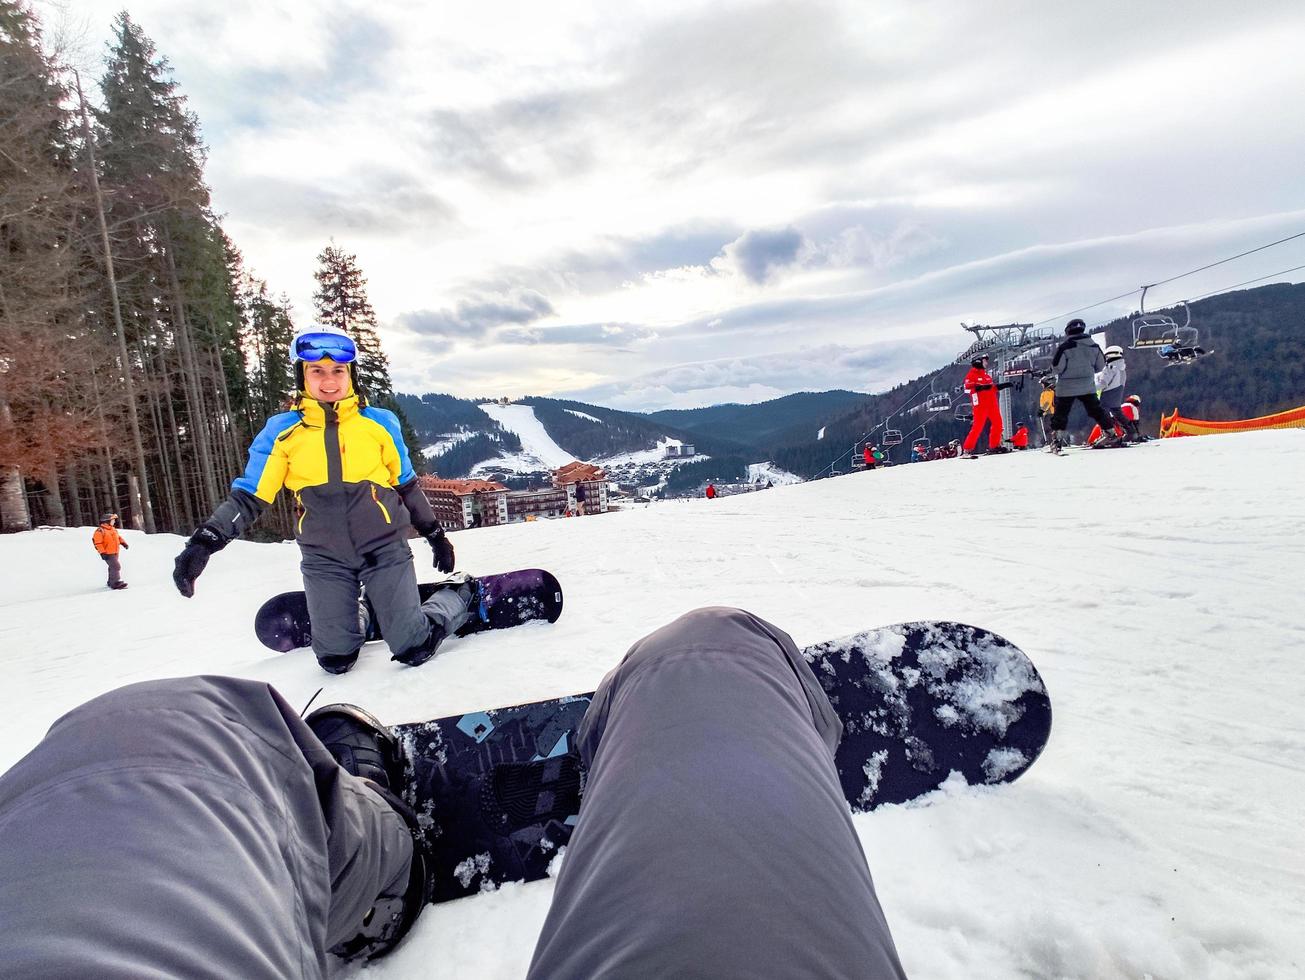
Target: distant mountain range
x: 1258, y: 367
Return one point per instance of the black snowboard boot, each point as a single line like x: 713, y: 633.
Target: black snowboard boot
x: 418, y: 655
x: 341, y: 664
x: 365, y: 748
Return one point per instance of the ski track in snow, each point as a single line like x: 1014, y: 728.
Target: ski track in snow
x: 535, y: 440
x: 1155, y: 588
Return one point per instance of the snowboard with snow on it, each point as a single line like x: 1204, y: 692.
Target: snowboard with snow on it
x: 502, y: 601
x: 497, y: 792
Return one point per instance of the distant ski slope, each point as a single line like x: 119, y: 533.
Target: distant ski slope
x: 535, y: 441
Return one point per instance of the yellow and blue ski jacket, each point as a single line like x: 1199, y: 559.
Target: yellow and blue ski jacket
x: 350, y: 473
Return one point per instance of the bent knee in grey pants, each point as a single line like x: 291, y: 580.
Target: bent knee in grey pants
x: 188, y: 827
x: 714, y: 839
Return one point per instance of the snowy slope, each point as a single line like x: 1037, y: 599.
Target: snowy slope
x: 536, y: 443
x: 1156, y: 588
x: 768, y: 472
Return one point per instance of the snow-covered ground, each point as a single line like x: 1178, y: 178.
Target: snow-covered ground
x: 768, y: 472
x: 583, y: 415
x: 645, y: 457
x: 536, y: 443
x: 1158, y: 836
x: 447, y: 443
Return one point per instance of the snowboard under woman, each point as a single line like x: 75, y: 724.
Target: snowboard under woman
x: 356, y: 495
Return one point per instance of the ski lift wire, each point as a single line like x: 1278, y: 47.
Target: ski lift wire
x: 1239, y: 255
x: 1181, y: 275
x: 1248, y: 282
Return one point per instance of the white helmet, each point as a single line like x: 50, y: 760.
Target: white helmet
x: 1114, y: 352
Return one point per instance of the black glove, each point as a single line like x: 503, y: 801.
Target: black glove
x: 194, y: 557
x: 443, y: 549
x: 125, y: 545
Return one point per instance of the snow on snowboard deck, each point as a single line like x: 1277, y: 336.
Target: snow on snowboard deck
x: 497, y: 792
x: 506, y: 600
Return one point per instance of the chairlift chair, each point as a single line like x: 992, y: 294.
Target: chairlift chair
x: 892, y: 437
x: 938, y: 402
x: 1154, y: 330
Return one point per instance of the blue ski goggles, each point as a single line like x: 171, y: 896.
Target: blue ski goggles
x: 315, y: 346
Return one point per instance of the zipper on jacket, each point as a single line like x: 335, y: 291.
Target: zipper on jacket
x: 303, y: 512
x: 384, y: 513
x: 331, y: 435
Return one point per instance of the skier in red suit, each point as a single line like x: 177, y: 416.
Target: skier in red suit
x: 983, y: 396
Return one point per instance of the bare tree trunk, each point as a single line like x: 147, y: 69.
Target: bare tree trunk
x: 191, y: 503
x: 142, y: 516
x: 54, y: 512
x: 75, y: 496
x: 232, y: 461
x: 193, y: 388
x: 14, y: 515
x: 111, y: 488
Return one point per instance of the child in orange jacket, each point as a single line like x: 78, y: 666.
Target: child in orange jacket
x: 107, y: 541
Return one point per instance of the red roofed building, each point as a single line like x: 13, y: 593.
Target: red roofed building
x: 466, y: 503
x: 585, y: 485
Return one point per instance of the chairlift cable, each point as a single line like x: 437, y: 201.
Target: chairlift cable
x: 1181, y: 275
x: 1248, y: 282
x: 1239, y: 255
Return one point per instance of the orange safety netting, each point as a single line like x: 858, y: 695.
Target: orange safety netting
x: 1175, y: 425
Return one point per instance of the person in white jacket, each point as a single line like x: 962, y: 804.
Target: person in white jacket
x: 1110, y: 386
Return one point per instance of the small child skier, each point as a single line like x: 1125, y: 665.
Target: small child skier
x: 107, y: 541
x: 356, y: 495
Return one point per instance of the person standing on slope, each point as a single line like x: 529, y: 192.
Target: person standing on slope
x: 983, y: 390
x: 356, y: 495
x: 1110, y: 388
x: 107, y: 541
x: 1076, y: 364
x: 711, y: 491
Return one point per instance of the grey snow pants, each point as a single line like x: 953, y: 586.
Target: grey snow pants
x: 331, y: 586
x: 115, y: 569
x: 191, y: 828
x: 196, y: 828
x: 714, y: 839
x: 1112, y: 401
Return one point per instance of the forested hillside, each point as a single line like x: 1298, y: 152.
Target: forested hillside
x: 1256, y: 368
x: 138, y: 354
x: 775, y: 422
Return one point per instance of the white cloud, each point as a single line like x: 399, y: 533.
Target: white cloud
x: 731, y: 180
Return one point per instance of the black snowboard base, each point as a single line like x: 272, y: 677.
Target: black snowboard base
x: 502, y: 601
x: 498, y: 792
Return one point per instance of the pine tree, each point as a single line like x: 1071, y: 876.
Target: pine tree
x: 180, y: 310
x: 50, y: 421
x: 341, y: 301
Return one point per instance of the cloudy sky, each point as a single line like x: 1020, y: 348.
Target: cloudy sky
x: 676, y: 204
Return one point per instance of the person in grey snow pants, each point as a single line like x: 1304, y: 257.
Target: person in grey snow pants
x: 188, y: 828
x: 713, y: 839
x: 356, y: 497
x: 1076, y: 363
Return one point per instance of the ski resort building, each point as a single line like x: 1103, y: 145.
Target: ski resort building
x: 680, y: 451
x: 585, y: 486
x: 578, y: 488
x: 466, y: 503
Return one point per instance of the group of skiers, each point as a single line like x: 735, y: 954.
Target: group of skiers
x: 1081, y: 372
